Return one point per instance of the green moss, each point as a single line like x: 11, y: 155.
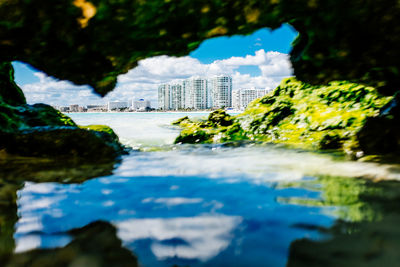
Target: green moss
x: 219, y: 118
x: 64, y: 143
x: 23, y: 117
x: 299, y: 114
x: 179, y: 121
x: 101, y: 128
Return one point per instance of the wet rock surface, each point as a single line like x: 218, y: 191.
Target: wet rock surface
x: 63, y: 142
x: 331, y: 117
x: 382, y: 133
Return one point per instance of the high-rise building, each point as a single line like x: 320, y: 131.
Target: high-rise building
x: 196, y: 93
x: 221, y: 91
x: 188, y: 94
x: 245, y: 96
x: 177, y: 97
x: 200, y: 92
x: 164, y: 97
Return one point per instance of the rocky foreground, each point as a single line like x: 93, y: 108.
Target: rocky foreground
x: 341, y: 116
x: 43, y: 132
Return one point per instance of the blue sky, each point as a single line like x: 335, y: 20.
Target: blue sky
x: 239, y: 46
x: 256, y: 60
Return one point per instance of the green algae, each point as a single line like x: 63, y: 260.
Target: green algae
x: 22, y: 117
x: 297, y: 114
x: 101, y: 128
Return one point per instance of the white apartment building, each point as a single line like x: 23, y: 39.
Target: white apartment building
x: 221, y: 91
x: 141, y: 105
x: 177, y: 97
x: 188, y: 94
x: 200, y: 92
x: 235, y: 100
x: 94, y: 108
x: 196, y: 93
x: 244, y: 96
x: 114, y: 105
x: 164, y: 97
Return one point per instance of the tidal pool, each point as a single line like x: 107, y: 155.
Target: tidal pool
x: 200, y: 205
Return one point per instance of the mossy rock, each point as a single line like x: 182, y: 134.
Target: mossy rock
x: 181, y: 120
x: 10, y: 93
x: 103, y: 129
x: 381, y: 134
x: 219, y: 118
x: 68, y: 143
x: 16, y: 118
x: 302, y: 115
x: 92, y: 42
x: 43, y: 132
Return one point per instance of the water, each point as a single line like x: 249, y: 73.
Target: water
x: 203, y: 205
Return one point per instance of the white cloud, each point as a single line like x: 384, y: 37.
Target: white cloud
x: 202, y: 237
x: 142, y: 82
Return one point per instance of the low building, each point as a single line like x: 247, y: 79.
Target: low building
x: 235, y: 100
x: 246, y: 96
x: 63, y: 109
x: 73, y: 108
x: 117, y: 105
x: 96, y: 108
x: 141, y: 105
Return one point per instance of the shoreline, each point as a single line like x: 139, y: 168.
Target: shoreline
x: 152, y: 112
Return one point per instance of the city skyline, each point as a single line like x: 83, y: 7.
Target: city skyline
x: 218, y: 93
x: 196, y: 93
x: 201, y: 93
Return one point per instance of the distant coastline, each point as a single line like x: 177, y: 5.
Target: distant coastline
x: 156, y: 111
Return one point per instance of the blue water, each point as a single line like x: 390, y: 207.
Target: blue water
x: 190, y: 205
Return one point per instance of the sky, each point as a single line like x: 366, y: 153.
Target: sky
x: 258, y: 60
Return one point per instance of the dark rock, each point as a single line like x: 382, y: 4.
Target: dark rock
x: 197, y: 136
x: 219, y: 118
x: 179, y: 121
x: 381, y: 134
x: 93, y: 42
x: 10, y: 93
x: 41, y: 131
x: 331, y: 141
x: 62, y: 142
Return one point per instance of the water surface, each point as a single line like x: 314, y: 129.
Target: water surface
x: 208, y: 205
